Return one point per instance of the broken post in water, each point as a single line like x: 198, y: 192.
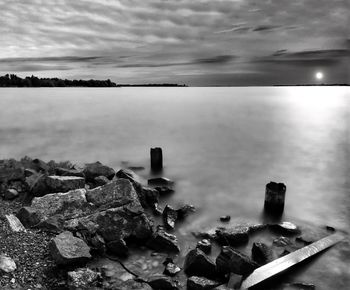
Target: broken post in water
x: 274, y: 197
x: 156, y: 159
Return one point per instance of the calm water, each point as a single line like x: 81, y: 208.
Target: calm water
x: 221, y: 145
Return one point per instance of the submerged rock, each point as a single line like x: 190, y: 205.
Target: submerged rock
x: 233, y: 261
x: 200, y: 283
x: 7, y: 264
x: 204, y: 245
x: 160, y: 181
x: 162, y: 282
x: 96, y: 169
x: 164, y: 190
x: 67, y: 249
x: 285, y: 228
x: 197, y: 263
x: 233, y: 236
x: 162, y: 241
x: 261, y: 253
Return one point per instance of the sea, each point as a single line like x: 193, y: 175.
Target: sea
x: 221, y: 145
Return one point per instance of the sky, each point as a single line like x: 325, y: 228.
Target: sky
x: 198, y: 43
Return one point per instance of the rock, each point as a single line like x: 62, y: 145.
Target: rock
x: 233, y: 236
x: 8, y: 174
x: 98, y: 244
x: 282, y: 242
x: 185, y: 210
x: 150, y: 196
x: 69, y: 172
x: 199, y: 264
x: 160, y: 181
x: 200, y: 283
x: 14, y: 223
x: 100, y: 180
x: 171, y: 269
x: 114, y: 194
x: 225, y: 218
x: 136, y: 168
x: 204, y: 245
x: 118, y: 247
x: 40, y: 166
x: 261, y: 253
x: 82, y: 278
x: 206, y: 234
x: 68, y: 205
x: 169, y: 217
x: 230, y: 260
x: 57, y: 183
x: 162, y: 241
x: 67, y: 249
x: 7, y: 264
x: 52, y: 224
x: 10, y: 194
x: 37, y: 184
x: 164, y: 190
x: 162, y: 282
x: 285, y: 228
x: 28, y: 172
x: 96, y: 169
x: 28, y: 216
x: 137, y: 184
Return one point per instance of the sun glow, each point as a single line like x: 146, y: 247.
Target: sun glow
x: 319, y: 75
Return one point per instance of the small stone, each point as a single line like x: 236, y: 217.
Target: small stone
x: 204, y: 245
x: 200, y: 283
x: 282, y: 242
x: 13, y: 281
x: 82, y: 278
x: 96, y: 169
x: 67, y: 249
x: 225, y: 218
x: 163, y: 241
x: 199, y: 264
x: 11, y: 194
x: 231, y: 260
x: 7, y: 264
x: 169, y: 217
x: 171, y: 269
x: 162, y: 282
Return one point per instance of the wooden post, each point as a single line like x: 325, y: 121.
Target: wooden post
x: 274, y: 197
x: 156, y: 159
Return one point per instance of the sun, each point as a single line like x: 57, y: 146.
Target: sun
x: 319, y: 75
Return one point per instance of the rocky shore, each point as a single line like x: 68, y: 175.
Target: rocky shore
x: 62, y: 224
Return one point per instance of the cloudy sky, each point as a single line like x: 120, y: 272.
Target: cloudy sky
x: 203, y: 42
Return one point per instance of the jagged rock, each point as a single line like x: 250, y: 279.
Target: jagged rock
x: 37, y: 184
x: 7, y: 264
x: 156, y: 209
x: 82, y: 278
x: 10, y: 194
x: 118, y: 247
x: 52, y: 224
x: 40, y: 166
x: 114, y: 194
x: 230, y: 260
x: 162, y: 282
x: 11, y: 173
x: 96, y: 169
x: 185, y: 210
x: 150, y: 196
x: 233, y: 236
x: 199, y: 264
x: 69, y: 172
x: 160, y: 181
x: 225, y: 218
x: 285, y: 228
x: 68, y: 205
x: 67, y: 249
x: 101, y: 180
x: 29, y: 216
x: 200, y: 283
x: 164, y: 190
x: 132, y: 177
x: 162, y: 241
x: 204, y: 245
x: 169, y: 217
x: 261, y: 253
x: 98, y: 244
x: 57, y: 183
x: 171, y: 269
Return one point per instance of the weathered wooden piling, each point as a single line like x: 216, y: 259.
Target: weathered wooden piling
x: 274, y: 197
x: 156, y: 159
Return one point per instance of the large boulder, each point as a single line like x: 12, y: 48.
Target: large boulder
x: 67, y: 249
x: 233, y: 261
x: 96, y: 169
x: 199, y: 264
x: 57, y: 183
